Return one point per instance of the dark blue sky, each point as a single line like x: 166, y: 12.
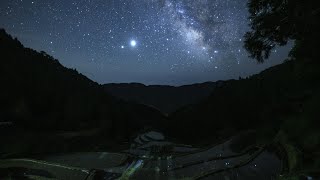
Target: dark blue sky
x: 149, y: 41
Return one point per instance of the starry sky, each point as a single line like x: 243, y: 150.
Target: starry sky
x: 171, y: 42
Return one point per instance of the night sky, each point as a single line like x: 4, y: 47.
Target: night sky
x: 148, y: 41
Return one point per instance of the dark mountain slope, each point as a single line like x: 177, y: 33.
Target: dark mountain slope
x: 165, y: 98
x: 281, y: 105
x: 263, y: 101
x: 39, y: 94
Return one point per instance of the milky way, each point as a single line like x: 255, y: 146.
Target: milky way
x: 149, y: 41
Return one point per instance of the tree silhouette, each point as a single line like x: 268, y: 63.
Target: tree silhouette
x: 275, y: 22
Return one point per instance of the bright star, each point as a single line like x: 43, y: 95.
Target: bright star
x: 122, y: 47
x: 133, y: 43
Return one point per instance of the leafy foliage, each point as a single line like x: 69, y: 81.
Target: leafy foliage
x: 275, y: 22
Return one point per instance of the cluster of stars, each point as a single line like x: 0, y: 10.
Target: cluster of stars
x: 128, y: 40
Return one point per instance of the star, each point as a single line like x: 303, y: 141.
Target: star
x: 133, y: 43
x: 192, y: 36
